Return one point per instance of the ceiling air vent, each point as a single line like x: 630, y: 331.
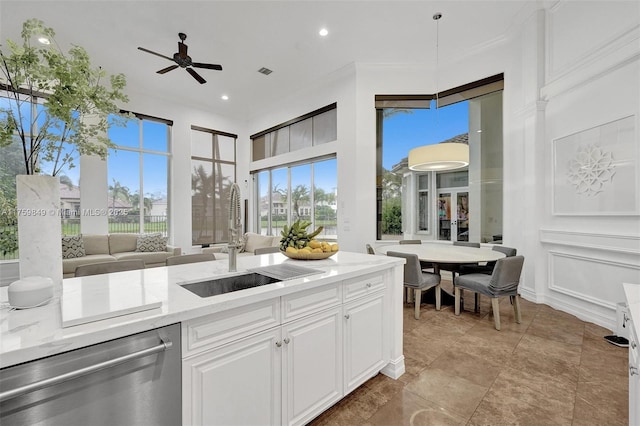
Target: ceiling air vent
x: 265, y: 71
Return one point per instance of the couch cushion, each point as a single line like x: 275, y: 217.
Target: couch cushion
x: 95, y: 244
x: 72, y: 246
x: 120, y: 243
x: 151, y: 242
x: 69, y: 265
x: 253, y: 241
x: 148, y: 257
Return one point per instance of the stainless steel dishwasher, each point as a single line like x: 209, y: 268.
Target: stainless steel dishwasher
x: 134, y: 380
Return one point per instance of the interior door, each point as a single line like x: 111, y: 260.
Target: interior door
x: 453, y: 215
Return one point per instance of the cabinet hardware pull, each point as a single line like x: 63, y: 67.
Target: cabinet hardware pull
x: 633, y: 371
x: 633, y: 345
x: 625, y: 318
x: 286, y: 340
x: 368, y: 285
x: 278, y: 344
x: 347, y: 316
x: 31, y: 387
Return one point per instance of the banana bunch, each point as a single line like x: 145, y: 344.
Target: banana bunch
x: 296, y: 236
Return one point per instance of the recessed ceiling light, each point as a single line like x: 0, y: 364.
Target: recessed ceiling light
x: 323, y: 32
x: 44, y: 40
x: 224, y: 97
x: 479, y: 131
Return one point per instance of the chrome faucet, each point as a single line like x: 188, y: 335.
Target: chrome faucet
x: 234, y: 225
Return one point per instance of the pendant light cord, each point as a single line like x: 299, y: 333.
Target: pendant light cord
x: 436, y: 17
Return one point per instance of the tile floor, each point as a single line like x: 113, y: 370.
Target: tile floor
x: 552, y: 369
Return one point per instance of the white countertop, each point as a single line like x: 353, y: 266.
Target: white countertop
x: 34, y: 333
x: 632, y: 293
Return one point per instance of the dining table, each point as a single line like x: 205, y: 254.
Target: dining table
x: 442, y: 254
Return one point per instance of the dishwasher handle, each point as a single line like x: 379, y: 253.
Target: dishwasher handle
x: 31, y: 387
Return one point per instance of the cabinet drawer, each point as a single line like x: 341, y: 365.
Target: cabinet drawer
x: 361, y: 286
x: 223, y: 327
x: 301, y: 304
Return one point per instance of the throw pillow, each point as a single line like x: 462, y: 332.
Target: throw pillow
x: 151, y: 242
x: 72, y: 246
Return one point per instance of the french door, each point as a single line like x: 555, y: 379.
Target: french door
x: 453, y: 214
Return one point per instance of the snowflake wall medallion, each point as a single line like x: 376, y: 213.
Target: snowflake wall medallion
x: 591, y: 168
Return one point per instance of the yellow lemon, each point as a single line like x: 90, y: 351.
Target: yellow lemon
x: 315, y: 244
x: 292, y: 250
x: 316, y: 250
x: 334, y: 247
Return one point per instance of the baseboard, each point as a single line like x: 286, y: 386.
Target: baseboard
x: 395, y: 368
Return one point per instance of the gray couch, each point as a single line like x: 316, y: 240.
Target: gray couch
x: 107, y: 248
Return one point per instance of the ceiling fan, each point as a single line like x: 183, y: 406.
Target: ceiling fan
x: 183, y: 60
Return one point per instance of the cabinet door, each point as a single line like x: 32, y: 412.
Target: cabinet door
x: 312, y: 366
x: 364, y: 341
x: 237, y: 384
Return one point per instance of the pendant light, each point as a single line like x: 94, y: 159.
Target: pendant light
x: 440, y: 156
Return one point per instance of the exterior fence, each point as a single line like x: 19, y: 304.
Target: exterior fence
x: 71, y: 226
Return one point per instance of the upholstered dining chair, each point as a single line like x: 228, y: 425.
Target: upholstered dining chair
x: 488, y: 268
x: 265, y: 250
x: 107, y: 267
x: 190, y: 258
x: 417, y: 280
x: 370, y: 249
x: 423, y: 265
x: 502, y: 282
x: 455, y: 268
x: 485, y: 269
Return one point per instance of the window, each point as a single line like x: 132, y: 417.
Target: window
x: 49, y: 162
x: 316, y: 128
x: 213, y: 170
x: 138, y: 174
x: 303, y: 191
x: 415, y: 204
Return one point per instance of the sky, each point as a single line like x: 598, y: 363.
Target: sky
x: 404, y: 131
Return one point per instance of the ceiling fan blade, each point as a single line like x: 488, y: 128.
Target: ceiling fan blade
x: 195, y: 75
x: 167, y: 69
x: 182, y: 50
x: 207, y: 66
x: 154, y: 53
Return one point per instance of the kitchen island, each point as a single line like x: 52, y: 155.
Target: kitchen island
x: 317, y: 337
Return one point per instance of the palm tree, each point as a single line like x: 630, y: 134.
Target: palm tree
x: 300, y: 193
x: 119, y: 192
x: 202, y: 191
x: 146, y: 202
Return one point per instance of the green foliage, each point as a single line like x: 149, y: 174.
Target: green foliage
x: 78, y: 101
x: 392, y: 217
x: 8, y: 225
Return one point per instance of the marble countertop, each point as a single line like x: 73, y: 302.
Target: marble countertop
x: 632, y: 293
x: 34, y: 333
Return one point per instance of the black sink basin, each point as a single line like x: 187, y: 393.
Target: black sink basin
x: 217, y: 286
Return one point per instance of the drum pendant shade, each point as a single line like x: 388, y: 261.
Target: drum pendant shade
x: 441, y: 156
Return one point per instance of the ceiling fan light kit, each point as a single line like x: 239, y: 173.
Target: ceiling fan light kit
x: 183, y: 60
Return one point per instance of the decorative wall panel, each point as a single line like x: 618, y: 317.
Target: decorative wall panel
x: 595, y: 171
x: 594, y: 280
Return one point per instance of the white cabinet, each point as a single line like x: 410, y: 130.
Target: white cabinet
x: 236, y: 384
x: 634, y: 376
x: 285, y: 360
x: 363, y: 339
x: 311, y: 366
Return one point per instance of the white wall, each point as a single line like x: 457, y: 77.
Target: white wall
x: 555, y: 84
x: 575, y: 66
